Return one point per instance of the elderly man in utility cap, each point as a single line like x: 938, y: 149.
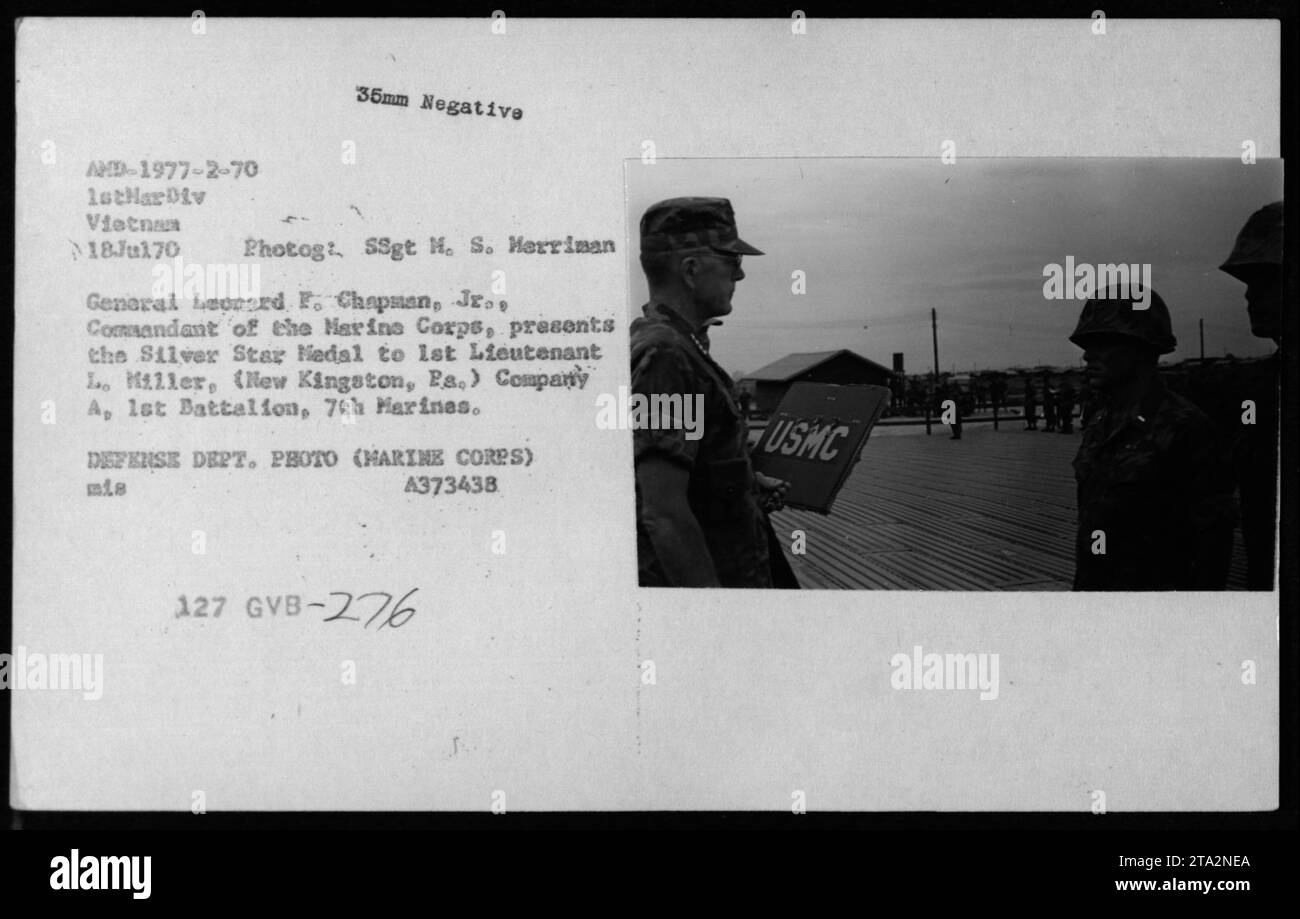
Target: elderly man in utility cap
x: 1256, y: 261
x: 701, y: 507
x: 1155, y: 491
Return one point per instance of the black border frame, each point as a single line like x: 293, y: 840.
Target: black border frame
x: 1085, y: 824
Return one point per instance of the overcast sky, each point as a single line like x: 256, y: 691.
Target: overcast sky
x: 881, y: 241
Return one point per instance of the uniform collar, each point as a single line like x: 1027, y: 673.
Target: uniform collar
x: 656, y: 309
x: 699, y: 340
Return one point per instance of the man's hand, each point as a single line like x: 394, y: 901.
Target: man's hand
x: 771, y: 491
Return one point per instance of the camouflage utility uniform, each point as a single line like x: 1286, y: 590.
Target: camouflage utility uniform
x: 668, y: 358
x: 1155, y: 481
x: 1258, y: 248
x: 1155, y: 486
x: 1255, y: 460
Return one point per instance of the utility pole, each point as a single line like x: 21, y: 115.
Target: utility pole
x: 934, y: 333
x: 934, y: 377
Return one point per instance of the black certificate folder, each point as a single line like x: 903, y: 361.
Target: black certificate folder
x: 814, y: 437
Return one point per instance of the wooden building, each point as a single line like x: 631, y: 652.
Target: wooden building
x: 767, y: 385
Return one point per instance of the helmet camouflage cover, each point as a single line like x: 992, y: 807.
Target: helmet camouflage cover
x: 1259, y: 242
x: 1122, y: 315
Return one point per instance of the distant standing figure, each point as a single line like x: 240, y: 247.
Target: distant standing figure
x: 998, y: 393
x: 1031, y: 406
x: 1065, y: 408
x: 1049, y: 406
x: 746, y: 403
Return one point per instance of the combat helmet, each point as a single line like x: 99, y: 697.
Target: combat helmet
x: 1112, y: 313
x: 1258, y: 243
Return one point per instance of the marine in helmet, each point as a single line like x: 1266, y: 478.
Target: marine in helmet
x: 1049, y: 404
x: 1155, y: 491
x: 1256, y: 261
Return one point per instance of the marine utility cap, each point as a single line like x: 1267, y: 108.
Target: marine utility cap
x: 692, y: 223
x: 1113, y: 314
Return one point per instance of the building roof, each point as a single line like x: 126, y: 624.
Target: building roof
x: 793, y: 365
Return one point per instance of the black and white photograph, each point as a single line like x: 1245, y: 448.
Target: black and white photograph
x: 651, y: 418
x: 1131, y: 308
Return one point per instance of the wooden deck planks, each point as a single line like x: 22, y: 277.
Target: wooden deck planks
x: 993, y: 511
